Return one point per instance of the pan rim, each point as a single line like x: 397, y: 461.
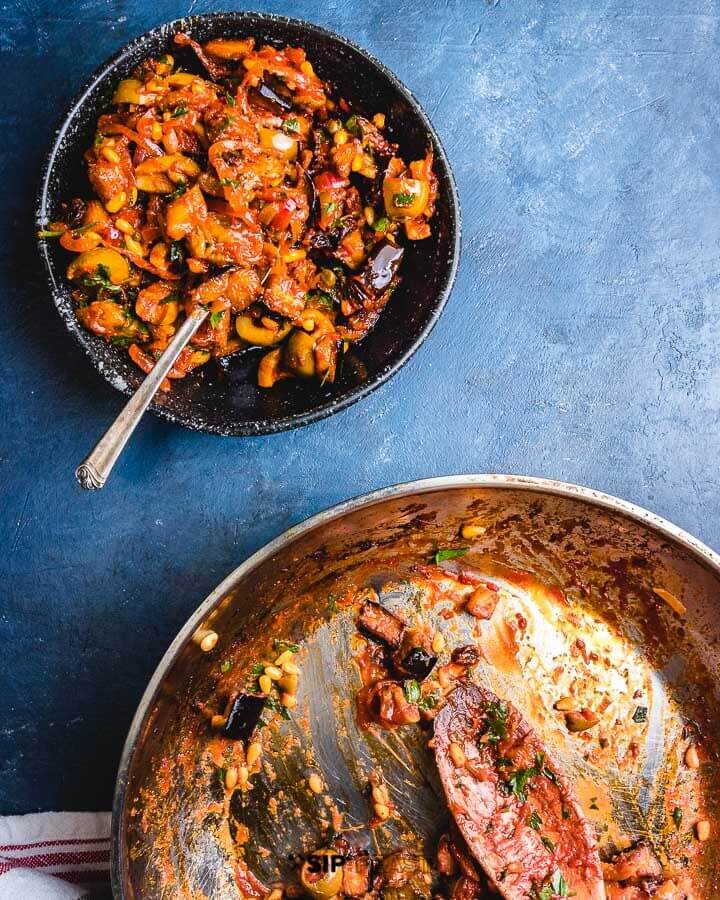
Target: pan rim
x: 252, y: 427
x: 705, y: 555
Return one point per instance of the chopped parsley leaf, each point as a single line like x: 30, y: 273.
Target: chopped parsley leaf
x: 292, y: 125
x: 640, y: 714
x: 226, y: 666
x: 442, y: 555
x: 178, y: 111
x: 180, y: 189
x: 381, y: 225
x: 282, y: 646
x: 496, y: 714
x: 216, y: 318
x: 402, y: 199
x: 230, y: 100
x: 534, y: 820
x: 677, y: 817
x: 547, y: 843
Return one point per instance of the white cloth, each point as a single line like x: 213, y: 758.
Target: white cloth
x: 53, y: 856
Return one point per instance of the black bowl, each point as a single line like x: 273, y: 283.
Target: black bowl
x: 223, y: 397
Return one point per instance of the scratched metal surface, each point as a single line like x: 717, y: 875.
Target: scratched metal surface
x: 581, y: 341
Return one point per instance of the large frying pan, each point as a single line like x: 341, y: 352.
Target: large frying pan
x: 606, y: 555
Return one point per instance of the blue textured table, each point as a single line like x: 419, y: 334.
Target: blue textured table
x: 582, y: 340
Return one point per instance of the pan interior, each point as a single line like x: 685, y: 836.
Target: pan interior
x: 179, y: 837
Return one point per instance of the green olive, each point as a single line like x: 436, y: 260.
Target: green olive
x: 321, y: 874
x: 248, y: 329
x: 87, y: 263
x: 299, y: 354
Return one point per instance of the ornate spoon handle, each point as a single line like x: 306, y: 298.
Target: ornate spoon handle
x: 93, y: 472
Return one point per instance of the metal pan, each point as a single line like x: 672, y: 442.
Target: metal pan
x: 606, y: 555
x: 223, y: 398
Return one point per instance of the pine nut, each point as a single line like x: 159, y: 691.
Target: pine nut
x: 289, y: 668
x: 294, y: 255
x: 243, y: 775
x: 134, y: 246
x: 273, y: 672
x: 265, y: 684
x: 470, y: 531
x: 157, y: 131
x: 380, y: 794
x: 692, y: 760
x: 286, y: 655
x: 112, y: 156
x: 289, y: 684
x: 702, y: 830
x: 340, y: 137
x: 289, y: 701
x: 357, y: 162
x: 379, y: 120
x: 254, y: 752
x: 315, y: 783
x: 438, y: 644
x: 205, y: 639
x: 369, y: 214
x: 565, y: 704
x: 218, y: 721
x: 381, y: 811
x: 231, y: 777
x: 124, y: 226
x: 116, y: 202
x: 457, y: 755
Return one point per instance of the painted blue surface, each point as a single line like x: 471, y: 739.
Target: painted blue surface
x: 582, y: 341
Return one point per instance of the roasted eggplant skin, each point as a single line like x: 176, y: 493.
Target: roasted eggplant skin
x: 243, y: 716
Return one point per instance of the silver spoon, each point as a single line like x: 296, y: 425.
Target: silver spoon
x: 93, y: 472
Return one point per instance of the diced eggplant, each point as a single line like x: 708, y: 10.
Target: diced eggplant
x: 418, y: 663
x: 633, y: 865
x: 414, y: 657
x: 383, y: 266
x: 467, y: 655
x: 272, y: 95
x: 381, y: 624
x: 243, y: 717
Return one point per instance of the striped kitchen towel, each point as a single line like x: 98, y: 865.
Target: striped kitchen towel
x: 53, y: 856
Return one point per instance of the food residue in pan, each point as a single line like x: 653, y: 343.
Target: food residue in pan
x: 539, y: 728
